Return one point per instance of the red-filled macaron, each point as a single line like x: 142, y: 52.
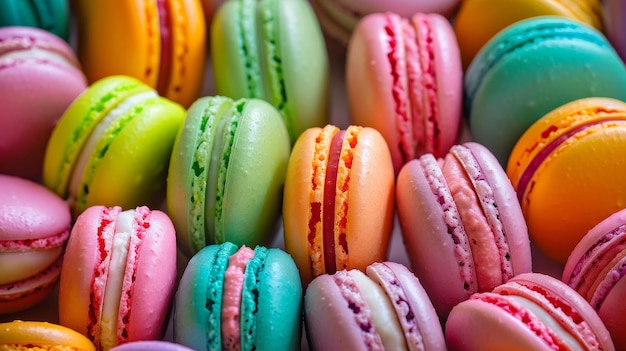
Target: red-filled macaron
x: 461, y: 223
x: 118, y: 275
x: 404, y: 78
x: 338, y: 202
x: 34, y: 228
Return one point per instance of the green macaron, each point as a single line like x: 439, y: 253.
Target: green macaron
x: 268, y: 286
x: 532, y: 67
x: 227, y: 173
x: 50, y: 15
x: 273, y: 50
x: 112, y: 146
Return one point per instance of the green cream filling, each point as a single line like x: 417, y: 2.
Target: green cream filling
x: 248, y: 47
x: 250, y: 298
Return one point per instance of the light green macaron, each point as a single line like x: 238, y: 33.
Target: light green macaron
x: 227, y: 173
x: 273, y: 50
x: 112, y: 146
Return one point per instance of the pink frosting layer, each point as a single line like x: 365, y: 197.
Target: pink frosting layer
x: 231, y: 298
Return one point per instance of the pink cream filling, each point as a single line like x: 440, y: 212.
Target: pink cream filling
x: 330, y: 192
x: 48, y: 242
x: 588, y: 268
x: 165, y: 66
x: 231, y: 298
x: 525, y: 179
x: 361, y: 312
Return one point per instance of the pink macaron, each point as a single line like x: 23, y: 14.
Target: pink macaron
x: 383, y: 308
x: 462, y: 224
x: 338, y: 18
x: 532, y: 311
x: 39, y: 78
x: 596, y: 269
x: 118, y: 275
x: 34, y: 228
x: 404, y: 78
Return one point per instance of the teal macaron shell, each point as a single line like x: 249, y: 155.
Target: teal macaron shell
x: 273, y: 50
x: 270, y: 314
x: 532, y: 67
x: 50, y: 15
x: 227, y: 173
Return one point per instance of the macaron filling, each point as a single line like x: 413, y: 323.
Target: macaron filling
x: 231, y: 298
x: 330, y: 192
x: 165, y: 58
x: 99, y: 141
x: 593, y: 280
x: 31, y: 285
x: 250, y: 298
x: 452, y: 219
x: 24, y: 48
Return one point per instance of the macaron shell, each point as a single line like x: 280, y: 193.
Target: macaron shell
x: 549, y: 73
x: 150, y: 345
x: 612, y: 313
x: 42, y: 334
x: 614, y: 11
x: 479, y: 20
x: 326, y: 312
x: 19, y: 296
x: 49, y: 15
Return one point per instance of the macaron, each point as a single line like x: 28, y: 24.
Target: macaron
x: 339, y: 18
x: 595, y: 269
x: 34, y: 228
x: 531, y: 68
x: 338, y: 205
x: 39, y: 78
x: 154, y: 345
x: 614, y: 12
x: 404, y: 78
x: 50, y: 15
x: 162, y: 43
x: 112, y: 146
x: 568, y: 171
x: 226, y: 174
x: 461, y: 223
x: 383, y: 308
x: 477, y: 21
x: 273, y: 50
x: 532, y: 311
x: 239, y: 298
x: 118, y: 276
x: 29, y: 335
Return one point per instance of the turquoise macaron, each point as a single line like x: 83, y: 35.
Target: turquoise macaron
x: 239, y: 298
x: 227, y: 172
x: 532, y: 67
x: 273, y: 50
x: 50, y: 15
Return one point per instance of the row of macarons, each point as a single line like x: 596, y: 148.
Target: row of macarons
x: 404, y: 74
x: 118, y: 291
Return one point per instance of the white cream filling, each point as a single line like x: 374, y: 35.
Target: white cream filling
x: 86, y: 153
x: 17, y: 266
x: 115, y: 280
x: 38, y: 54
x: 383, y: 313
x: 549, y: 321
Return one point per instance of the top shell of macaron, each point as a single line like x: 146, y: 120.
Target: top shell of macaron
x: 38, y: 42
x: 49, y: 15
x: 30, y: 211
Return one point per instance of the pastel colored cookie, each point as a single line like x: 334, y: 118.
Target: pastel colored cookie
x: 34, y: 227
x: 568, y: 173
x: 338, y: 205
x: 118, y: 275
x: 479, y: 20
x: 595, y: 269
x: 461, y: 223
x: 383, y: 308
x: 614, y: 12
x: 162, y: 43
x: 27, y: 336
x: 339, y: 18
x: 404, y: 78
x: 112, y: 146
x: 50, y: 15
x: 531, y: 68
x: 39, y: 78
x: 227, y: 173
x: 153, y: 345
x: 273, y: 50
x: 232, y: 298
x: 532, y: 311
